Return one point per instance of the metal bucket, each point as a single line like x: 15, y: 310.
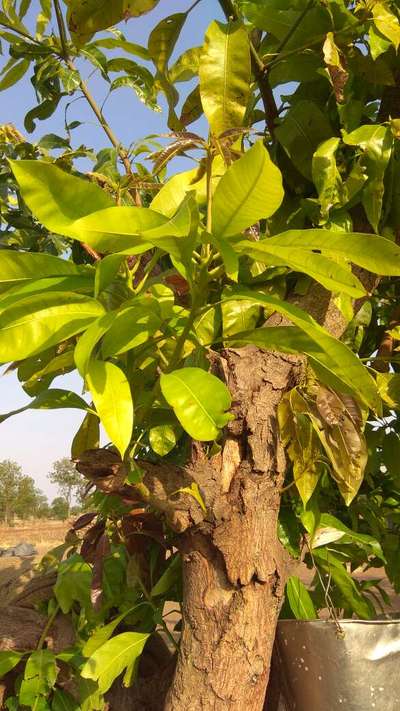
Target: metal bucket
x: 323, y: 670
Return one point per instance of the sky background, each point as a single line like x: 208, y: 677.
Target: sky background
x: 35, y: 439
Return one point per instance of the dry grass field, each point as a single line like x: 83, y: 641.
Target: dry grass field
x: 43, y: 534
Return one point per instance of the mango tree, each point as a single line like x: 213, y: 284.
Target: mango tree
x: 234, y: 327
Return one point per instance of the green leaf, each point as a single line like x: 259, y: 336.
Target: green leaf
x: 389, y: 388
x: 186, y: 66
x: 172, y: 194
x: 303, y: 446
x: 225, y: 74
x: 304, y: 127
x: 117, y: 229
x: 163, y: 39
x: 18, y: 267
x: 334, y: 276
x: 88, y: 341
x: 326, y: 176
x: 113, y: 400
x: 79, y: 283
x: 239, y: 316
x: 299, y: 599
x: 162, y: 439
x: 73, y: 583
x: 41, y: 672
x: 199, y: 400
x: 377, y: 144
x: 86, y: 18
x: 352, y: 598
x: 54, y: 399
x: 62, y: 701
x: 387, y: 23
x: 109, y: 661
x: 8, y: 660
x: 121, y: 43
x: 306, y: 247
x: 250, y: 190
x: 56, y: 198
x: 330, y: 529
x: 178, y: 235
x: 131, y: 328
x: 102, y: 634
x: 87, y: 437
x: 14, y: 74
x: 39, y: 322
x: 169, y: 577
x: 334, y: 362
x: 106, y: 270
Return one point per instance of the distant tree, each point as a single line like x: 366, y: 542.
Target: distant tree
x: 75, y: 510
x: 59, y: 508
x: 18, y: 494
x: 70, y: 483
x: 44, y: 510
x: 10, y: 477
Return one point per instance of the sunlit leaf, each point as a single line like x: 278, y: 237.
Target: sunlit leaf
x: 113, y: 400
x: 38, y: 322
x: 250, y: 190
x: 199, y: 400
x: 110, y: 660
x: 225, y: 71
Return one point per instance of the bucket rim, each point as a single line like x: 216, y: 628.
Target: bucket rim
x: 345, y: 622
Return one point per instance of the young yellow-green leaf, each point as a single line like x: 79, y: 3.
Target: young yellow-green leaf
x: 372, y: 252
x: 113, y: 400
x: 162, y: 439
x: 102, y: 634
x: 199, y: 400
x: 130, y: 328
x: 334, y: 276
x: 387, y: 23
x: 163, y: 39
x: 186, y: 66
x: 389, y: 388
x: 39, y: 322
x: 250, y: 190
x: 88, y: 341
x: 326, y: 176
x: 118, y: 229
x: 377, y: 143
x: 299, y: 599
x: 172, y: 194
x: 106, y: 269
x: 86, y: 18
x: 56, y: 198
x: 19, y: 267
x: 225, y: 75
x: 87, y: 437
x: 109, y: 660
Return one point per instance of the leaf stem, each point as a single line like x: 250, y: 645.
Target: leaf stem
x: 48, y: 625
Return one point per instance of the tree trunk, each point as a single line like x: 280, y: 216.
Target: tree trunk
x: 235, y: 568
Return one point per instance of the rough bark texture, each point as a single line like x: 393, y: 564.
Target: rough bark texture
x: 234, y: 566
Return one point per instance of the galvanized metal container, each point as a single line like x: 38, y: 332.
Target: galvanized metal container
x: 322, y: 669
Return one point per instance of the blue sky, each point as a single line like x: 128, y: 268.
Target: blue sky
x: 36, y: 439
